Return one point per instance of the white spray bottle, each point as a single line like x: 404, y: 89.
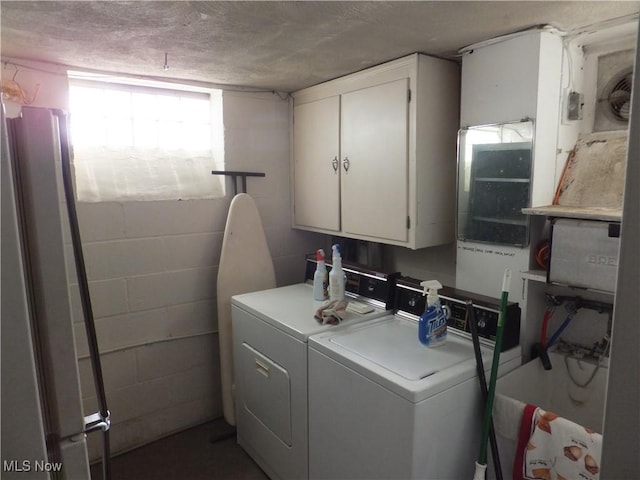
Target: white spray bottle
x: 432, y: 326
x: 320, y: 278
x: 336, y: 276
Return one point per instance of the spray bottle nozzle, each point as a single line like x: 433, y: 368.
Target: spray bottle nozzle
x: 336, y: 249
x: 430, y: 287
x: 320, y: 255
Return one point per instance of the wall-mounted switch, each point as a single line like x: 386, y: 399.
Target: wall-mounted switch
x: 575, y: 102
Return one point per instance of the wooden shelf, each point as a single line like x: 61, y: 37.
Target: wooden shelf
x: 562, y: 211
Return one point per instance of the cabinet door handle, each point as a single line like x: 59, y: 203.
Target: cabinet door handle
x: 334, y: 162
x: 346, y: 163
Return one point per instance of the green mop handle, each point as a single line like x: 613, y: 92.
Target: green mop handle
x: 482, y: 459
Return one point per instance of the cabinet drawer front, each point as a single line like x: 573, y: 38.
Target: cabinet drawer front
x: 375, y: 135
x: 316, y: 164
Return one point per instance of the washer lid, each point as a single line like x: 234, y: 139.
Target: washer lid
x: 394, y: 345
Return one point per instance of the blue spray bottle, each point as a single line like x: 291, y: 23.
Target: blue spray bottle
x: 432, y: 326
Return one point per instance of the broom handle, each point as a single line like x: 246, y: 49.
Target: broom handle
x: 482, y: 458
x: 471, y: 316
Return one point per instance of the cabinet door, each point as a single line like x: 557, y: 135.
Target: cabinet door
x: 374, y: 143
x: 316, y: 137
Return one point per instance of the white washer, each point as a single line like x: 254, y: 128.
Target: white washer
x: 270, y: 332
x: 381, y: 405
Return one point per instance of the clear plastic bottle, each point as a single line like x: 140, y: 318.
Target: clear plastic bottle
x: 336, y: 276
x: 320, y: 278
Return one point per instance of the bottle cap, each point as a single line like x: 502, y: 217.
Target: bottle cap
x: 431, y: 288
x: 430, y: 285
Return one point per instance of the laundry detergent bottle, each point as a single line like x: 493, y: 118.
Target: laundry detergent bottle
x: 320, y: 278
x: 336, y: 276
x: 432, y: 326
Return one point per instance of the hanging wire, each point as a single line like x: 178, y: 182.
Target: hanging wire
x: 586, y: 383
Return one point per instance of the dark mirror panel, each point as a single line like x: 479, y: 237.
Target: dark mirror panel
x: 494, y: 183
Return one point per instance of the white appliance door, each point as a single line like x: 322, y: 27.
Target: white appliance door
x: 43, y: 421
x: 22, y: 429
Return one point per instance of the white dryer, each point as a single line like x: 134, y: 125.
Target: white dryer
x: 382, y: 406
x: 270, y: 332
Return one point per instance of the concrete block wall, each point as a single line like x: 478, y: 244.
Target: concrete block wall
x: 152, y: 268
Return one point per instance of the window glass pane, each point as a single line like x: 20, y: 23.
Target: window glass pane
x: 194, y: 110
x: 86, y: 101
x: 144, y: 105
x: 88, y: 130
x: 119, y: 133
x: 196, y: 136
x: 106, y: 115
x: 145, y: 133
x: 168, y: 107
x: 117, y: 103
x: 170, y: 135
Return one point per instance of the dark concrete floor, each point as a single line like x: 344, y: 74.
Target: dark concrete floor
x: 205, y: 452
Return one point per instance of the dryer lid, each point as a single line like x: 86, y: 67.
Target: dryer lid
x: 394, y: 345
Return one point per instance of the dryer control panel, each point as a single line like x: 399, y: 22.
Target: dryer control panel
x: 367, y: 285
x: 410, y: 300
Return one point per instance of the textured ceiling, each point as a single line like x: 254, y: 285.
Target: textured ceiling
x: 282, y: 46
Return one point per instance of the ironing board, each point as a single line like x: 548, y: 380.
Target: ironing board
x: 245, y: 266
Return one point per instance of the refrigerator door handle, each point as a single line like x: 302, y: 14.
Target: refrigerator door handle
x: 96, y: 421
x: 83, y: 281
x: 100, y: 420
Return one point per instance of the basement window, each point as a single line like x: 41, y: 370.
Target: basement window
x: 144, y: 141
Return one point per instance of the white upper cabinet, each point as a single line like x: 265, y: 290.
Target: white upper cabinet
x: 374, y: 153
x: 316, y: 153
x: 375, y: 163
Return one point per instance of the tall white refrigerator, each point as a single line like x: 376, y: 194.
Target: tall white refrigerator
x: 43, y: 425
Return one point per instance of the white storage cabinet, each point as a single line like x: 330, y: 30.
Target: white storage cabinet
x: 374, y: 153
x: 503, y: 82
